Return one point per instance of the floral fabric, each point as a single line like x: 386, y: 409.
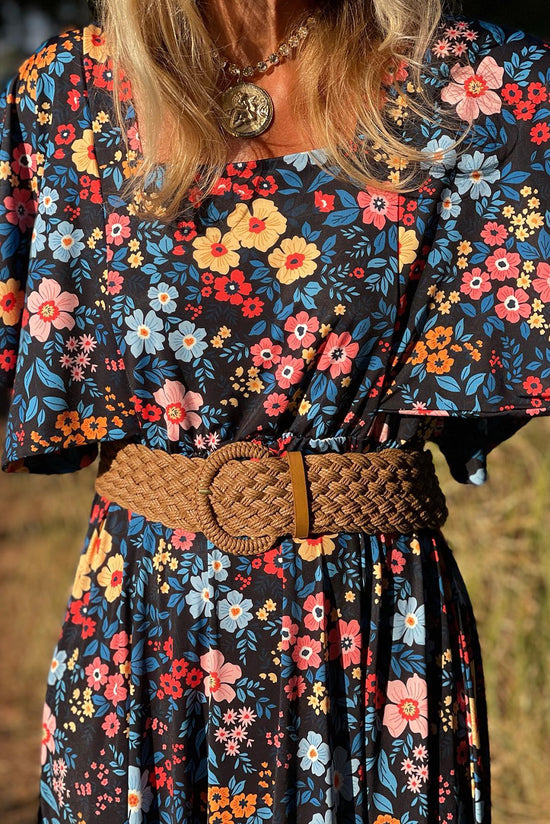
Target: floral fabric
x: 337, y: 678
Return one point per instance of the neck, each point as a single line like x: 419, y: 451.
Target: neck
x: 247, y: 31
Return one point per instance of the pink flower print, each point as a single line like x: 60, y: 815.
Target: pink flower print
x: 265, y: 353
x: 114, y: 282
x: 220, y: 676
x: 337, y: 353
x: 475, y: 283
x: 179, y: 407
x: 515, y: 304
x: 20, y: 209
x: 24, y: 161
x: 119, y: 643
x: 289, y: 371
x: 542, y: 281
x: 409, y: 706
x: 289, y: 631
x: 49, y: 306
x: 305, y: 652
x: 96, y: 673
x: 301, y: 328
x: 378, y: 206
x: 316, y: 610
x: 48, y: 729
x: 117, y: 229
x: 115, y: 690
x: 474, y: 91
x: 345, y: 639
x: 494, y: 234
x: 503, y: 264
x: 295, y: 688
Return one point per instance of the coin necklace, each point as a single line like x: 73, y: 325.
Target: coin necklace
x: 247, y: 108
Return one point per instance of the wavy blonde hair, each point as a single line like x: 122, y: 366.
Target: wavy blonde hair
x: 163, y: 48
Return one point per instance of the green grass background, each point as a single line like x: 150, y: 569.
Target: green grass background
x: 500, y: 534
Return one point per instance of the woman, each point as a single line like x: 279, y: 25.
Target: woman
x: 341, y: 259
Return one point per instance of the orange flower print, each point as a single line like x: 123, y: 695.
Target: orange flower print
x: 440, y: 337
x: 439, y: 362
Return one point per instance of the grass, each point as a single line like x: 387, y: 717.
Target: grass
x: 500, y: 534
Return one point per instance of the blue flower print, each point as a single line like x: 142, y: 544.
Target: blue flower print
x: 47, y: 201
x: 199, y: 597
x: 314, y: 753
x: 187, y: 342
x: 446, y: 158
x: 234, y: 611
x: 409, y: 622
x: 163, y: 297
x: 65, y: 242
x: 57, y: 666
x: 140, y: 795
x: 144, y: 333
x: 301, y: 159
x: 475, y: 173
x: 218, y: 563
x: 38, y: 239
x: 449, y: 205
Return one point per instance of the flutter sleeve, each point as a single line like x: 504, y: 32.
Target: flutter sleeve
x: 59, y: 359
x: 476, y: 350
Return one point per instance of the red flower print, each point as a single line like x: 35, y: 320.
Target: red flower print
x: 525, y: 110
x: 536, y: 92
x: 295, y: 687
x: 265, y: 185
x: 503, y: 264
x: 532, y: 385
x: 407, y: 706
x: 337, y: 353
x: 115, y: 690
x: 345, y: 640
x: 378, y: 206
x: 396, y: 561
x: 473, y: 92
x: 514, y: 305
x: 316, y: 610
x: 23, y: 161
x: 73, y: 99
x: 265, y: 353
x: 8, y: 359
x: 540, y: 133
x: 111, y: 725
x: 305, y: 652
x: 119, y: 643
x: 302, y: 328
x: 323, y: 202
x: 96, y: 673
x: 542, y: 282
x: 289, y: 371
x: 475, y: 283
x: 221, y: 675
x: 180, y: 668
x: 232, y: 287
x: 512, y: 93
x: 275, y: 404
x: 243, y: 191
x: 242, y: 169
x: 117, y: 229
x: 289, y: 631
x: 252, y: 307
x: 65, y: 134
x: 494, y: 234
x: 20, y: 209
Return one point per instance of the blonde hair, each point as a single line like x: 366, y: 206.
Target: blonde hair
x: 349, y: 62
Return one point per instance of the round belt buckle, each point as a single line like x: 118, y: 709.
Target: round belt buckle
x: 206, y: 515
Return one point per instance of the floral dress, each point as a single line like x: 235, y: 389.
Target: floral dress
x: 336, y: 678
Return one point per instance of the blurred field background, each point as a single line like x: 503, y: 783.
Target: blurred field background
x: 500, y: 534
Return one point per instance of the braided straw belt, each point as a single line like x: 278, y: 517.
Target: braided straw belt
x: 244, y: 506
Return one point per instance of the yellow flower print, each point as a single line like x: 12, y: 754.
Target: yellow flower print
x: 440, y: 337
x: 407, y: 247
x: 294, y: 259
x: 259, y: 229
x: 110, y: 577
x: 81, y: 583
x: 84, y: 153
x: 212, y: 251
x: 439, y: 362
x: 311, y: 548
x: 93, y: 43
x: 98, y: 548
x: 11, y: 301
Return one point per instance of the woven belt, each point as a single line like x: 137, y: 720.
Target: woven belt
x: 244, y: 506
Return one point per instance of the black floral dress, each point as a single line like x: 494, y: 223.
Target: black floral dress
x: 332, y: 679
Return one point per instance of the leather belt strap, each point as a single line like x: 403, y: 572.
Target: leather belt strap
x: 244, y: 506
